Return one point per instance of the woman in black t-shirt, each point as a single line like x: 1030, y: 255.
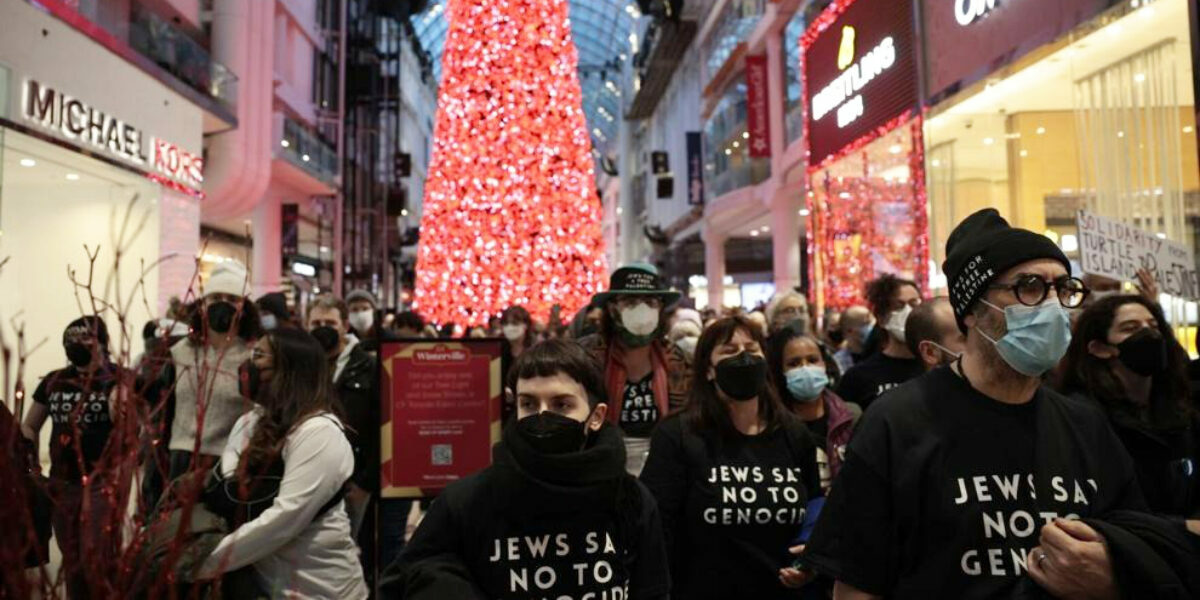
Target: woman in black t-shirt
x: 734, y: 474
x: 1124, y: 357
x: 76, y: 401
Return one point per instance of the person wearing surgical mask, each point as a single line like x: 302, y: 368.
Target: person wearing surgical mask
x: 1125, y: 359
x: 200, y: 379
x: 645, y: 374
x: 355, y: 380
x: 280, y: 481
x: 804, y: 374
x: 937, y: 462
x: 892, y: 299
x: 558, y: 483
x: 735, y: 475
x: 932, y: 335
x: 361, y: 318
x: 516, y: 325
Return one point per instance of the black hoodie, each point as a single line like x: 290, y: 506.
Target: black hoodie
x: 539, y: 526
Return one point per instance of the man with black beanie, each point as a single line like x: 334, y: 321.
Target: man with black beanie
x: 954, y: 479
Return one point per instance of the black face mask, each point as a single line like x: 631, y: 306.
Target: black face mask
x: 328, y: 337
x: 249, y: 380
x: 741, y: 377
x: 79, y: 354
x: 1144, y: 352
x: 220, y: 316
x: 552, y: 433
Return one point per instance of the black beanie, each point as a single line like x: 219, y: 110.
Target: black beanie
x: 982, y: 248
x: 89, y: 325
x: 274, y: 303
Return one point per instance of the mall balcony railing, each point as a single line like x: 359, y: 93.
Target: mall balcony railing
x: 308, y: 152
x: 167, y: 46
x: 751, y: 172
x: 735, y: 23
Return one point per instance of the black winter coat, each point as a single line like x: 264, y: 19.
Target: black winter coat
x: 357, y: 388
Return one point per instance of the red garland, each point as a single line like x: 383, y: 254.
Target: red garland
x: 858, y: 223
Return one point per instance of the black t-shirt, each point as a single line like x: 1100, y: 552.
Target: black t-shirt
x: 944, y: 490
x: 868, y: 380
x: 78, y: 405
x: 731, y: 509
x: 819, y: 429
x: 519, y: 537
x: 639, y: 413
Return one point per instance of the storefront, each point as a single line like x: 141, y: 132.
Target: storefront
x: 95, y: 155
x: 866, y: 198
x: 1041, y: 109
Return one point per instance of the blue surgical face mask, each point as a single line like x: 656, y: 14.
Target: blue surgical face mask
x: 269, y: 322
x: 1037, y: 336
x: 806, y: 383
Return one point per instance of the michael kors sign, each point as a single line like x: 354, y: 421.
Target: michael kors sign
x: 93, y: 128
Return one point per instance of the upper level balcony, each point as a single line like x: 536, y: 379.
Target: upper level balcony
x: 162, y: 47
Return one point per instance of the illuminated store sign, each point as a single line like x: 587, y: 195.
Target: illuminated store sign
x: 853, y: 80
x: 860, y: 72
x: 967, y: 11
x: 92, y: 128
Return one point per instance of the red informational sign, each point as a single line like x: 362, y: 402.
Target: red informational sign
x: 860, y: 72
x: 757, y: 111
x: 965, y: 40
x: 441, y: 412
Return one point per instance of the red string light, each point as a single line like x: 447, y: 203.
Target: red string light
x: 511, y: 215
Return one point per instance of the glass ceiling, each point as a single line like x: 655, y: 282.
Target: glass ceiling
x: 603, y: 31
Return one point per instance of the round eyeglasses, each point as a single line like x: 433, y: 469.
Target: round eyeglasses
x: 1031, y: 290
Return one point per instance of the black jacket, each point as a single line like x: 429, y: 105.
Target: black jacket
x: 358, y: 390
x: 538, y: 526
x: 1152, y: 556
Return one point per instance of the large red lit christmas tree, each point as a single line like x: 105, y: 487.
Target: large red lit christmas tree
x: 511, y: 215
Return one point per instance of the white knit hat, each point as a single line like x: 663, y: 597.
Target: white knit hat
x: 229, y: 277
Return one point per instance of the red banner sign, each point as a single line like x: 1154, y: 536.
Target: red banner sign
x: 757, y: 111
x: 441, y: 412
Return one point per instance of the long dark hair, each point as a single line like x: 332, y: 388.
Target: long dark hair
x: 300, y: 388
x: 705, y: 411
x: 1084, y: 372
x: 247, y: 321
x: 775, y: 349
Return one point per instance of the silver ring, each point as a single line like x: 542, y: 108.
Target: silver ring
x: 1041, y: 558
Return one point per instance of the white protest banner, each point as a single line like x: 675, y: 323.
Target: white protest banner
x: 1114, y: 249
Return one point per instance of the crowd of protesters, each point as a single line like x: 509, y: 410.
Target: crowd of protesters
x: 1023, y: 437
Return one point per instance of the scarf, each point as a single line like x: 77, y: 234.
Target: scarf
x: 615, y: 379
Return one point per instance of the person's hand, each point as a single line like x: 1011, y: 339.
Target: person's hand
x: 1146, y: 285
x: 1072, y: 562
x: 792, y: 577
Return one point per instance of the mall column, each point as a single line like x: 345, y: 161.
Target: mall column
x: 785, y: 222
x: 268, y: 257
x: 714, y: 265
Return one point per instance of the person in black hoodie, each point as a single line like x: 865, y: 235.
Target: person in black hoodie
x: 735, y: 474
x: 1125, y: 359
x: 555, y: 516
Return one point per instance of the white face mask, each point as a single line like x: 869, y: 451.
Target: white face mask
x: 513, y: 332
x: 362, y: 320
x: 896, y: 321
x: 269, y: 322
x: 640, y: 319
